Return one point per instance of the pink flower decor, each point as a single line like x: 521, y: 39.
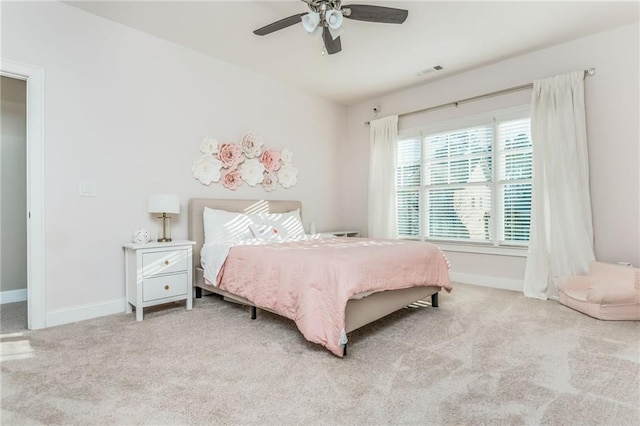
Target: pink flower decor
x: 232, y: 180
x: 248, y: 161
x: 271, y: 160
x: 270, y: 181
x: 230, y: 155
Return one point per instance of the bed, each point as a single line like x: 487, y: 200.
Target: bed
x: 361, y: 309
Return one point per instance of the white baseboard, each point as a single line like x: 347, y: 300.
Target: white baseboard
x: 486, y: 281
x: 12, y: 296
x: 86, y: 312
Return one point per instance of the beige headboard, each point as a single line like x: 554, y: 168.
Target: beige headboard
x: 197, y: 205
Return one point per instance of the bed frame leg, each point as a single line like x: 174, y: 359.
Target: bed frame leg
x: 434, y: 300
x: 254, y: 313
x: 198, y: 293
x: 344, y: 347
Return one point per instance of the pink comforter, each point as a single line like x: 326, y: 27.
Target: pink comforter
x: 311, y: 281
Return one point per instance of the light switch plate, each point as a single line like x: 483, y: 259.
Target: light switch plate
x: 87, y: 189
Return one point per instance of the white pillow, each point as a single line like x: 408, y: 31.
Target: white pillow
x: 288, y: 225
x: 221, y: 225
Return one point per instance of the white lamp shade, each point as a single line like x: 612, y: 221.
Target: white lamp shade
x: 310, y: 21
x: 164, y: 203
x: 334, y: 19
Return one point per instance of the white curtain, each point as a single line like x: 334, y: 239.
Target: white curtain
x: 382, y: 177
x: 561, y: 240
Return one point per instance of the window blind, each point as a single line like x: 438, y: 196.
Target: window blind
x: 469, y: 184
x: 458, y: 197
x: 515, y: 173
x: 408, y: 181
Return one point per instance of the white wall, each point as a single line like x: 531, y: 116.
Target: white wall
x: 13, y: 183
x: 128, y: 111
x: 612, y: 103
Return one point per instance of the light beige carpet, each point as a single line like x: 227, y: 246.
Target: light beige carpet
x: 485, y: 356
x: 13, y: 317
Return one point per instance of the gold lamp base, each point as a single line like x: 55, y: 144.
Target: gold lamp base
x: 166, y: 229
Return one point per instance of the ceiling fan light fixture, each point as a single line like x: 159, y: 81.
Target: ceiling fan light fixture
x: 310, y: 22
x: 325, y: 19
x: 334, y: 19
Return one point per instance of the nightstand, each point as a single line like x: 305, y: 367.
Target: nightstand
x: 157, y: 273
x: 343, y: 233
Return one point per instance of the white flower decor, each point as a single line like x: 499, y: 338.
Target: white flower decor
x: 207, y: 169
x: 252, y: 171
x: 251, y: 145
x: 248, y: 161
x: 209, y: 146
x: 286, y: 156
x: 288, y: 176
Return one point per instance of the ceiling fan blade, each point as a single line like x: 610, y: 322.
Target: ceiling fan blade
x: 332, y: 46
x: 366, y: 12
x: 279, y: 25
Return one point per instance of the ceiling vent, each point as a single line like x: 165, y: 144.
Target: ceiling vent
x: 428, y: 70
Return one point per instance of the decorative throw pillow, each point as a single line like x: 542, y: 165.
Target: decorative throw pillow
x: 289, y: 224
x: 264, y: 232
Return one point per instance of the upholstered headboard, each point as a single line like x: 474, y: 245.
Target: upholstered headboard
x: 197, y: 205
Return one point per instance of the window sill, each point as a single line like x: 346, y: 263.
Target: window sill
x: 498, y: 251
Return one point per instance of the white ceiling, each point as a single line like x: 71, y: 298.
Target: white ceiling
x: 375, y: 58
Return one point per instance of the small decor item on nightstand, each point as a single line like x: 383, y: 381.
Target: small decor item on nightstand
x: 163, y: 203
x: 141, y: 235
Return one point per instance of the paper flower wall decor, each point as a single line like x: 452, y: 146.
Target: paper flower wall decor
x: 247, y: 161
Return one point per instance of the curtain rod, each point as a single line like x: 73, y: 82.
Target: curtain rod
x: 590, y: 71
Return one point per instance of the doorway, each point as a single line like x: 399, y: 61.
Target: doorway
x: 13, y: 204
x: 33, y: 78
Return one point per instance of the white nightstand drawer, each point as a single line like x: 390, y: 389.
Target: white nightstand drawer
x: 161, y: 287
x: 164, y: 262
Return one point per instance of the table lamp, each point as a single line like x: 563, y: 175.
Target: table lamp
x: 164, y: 203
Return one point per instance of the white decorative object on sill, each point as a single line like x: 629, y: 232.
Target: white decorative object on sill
x: 232, y: 164
x: 141, y: 235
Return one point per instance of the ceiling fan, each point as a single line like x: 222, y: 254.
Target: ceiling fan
x: 326, y: 16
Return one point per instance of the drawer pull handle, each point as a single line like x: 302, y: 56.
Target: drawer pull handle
x: 166, y: 262
x: 166, y: 287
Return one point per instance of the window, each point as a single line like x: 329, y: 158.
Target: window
x: 468, y: 181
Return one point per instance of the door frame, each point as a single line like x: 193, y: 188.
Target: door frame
x: 34, y: 77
